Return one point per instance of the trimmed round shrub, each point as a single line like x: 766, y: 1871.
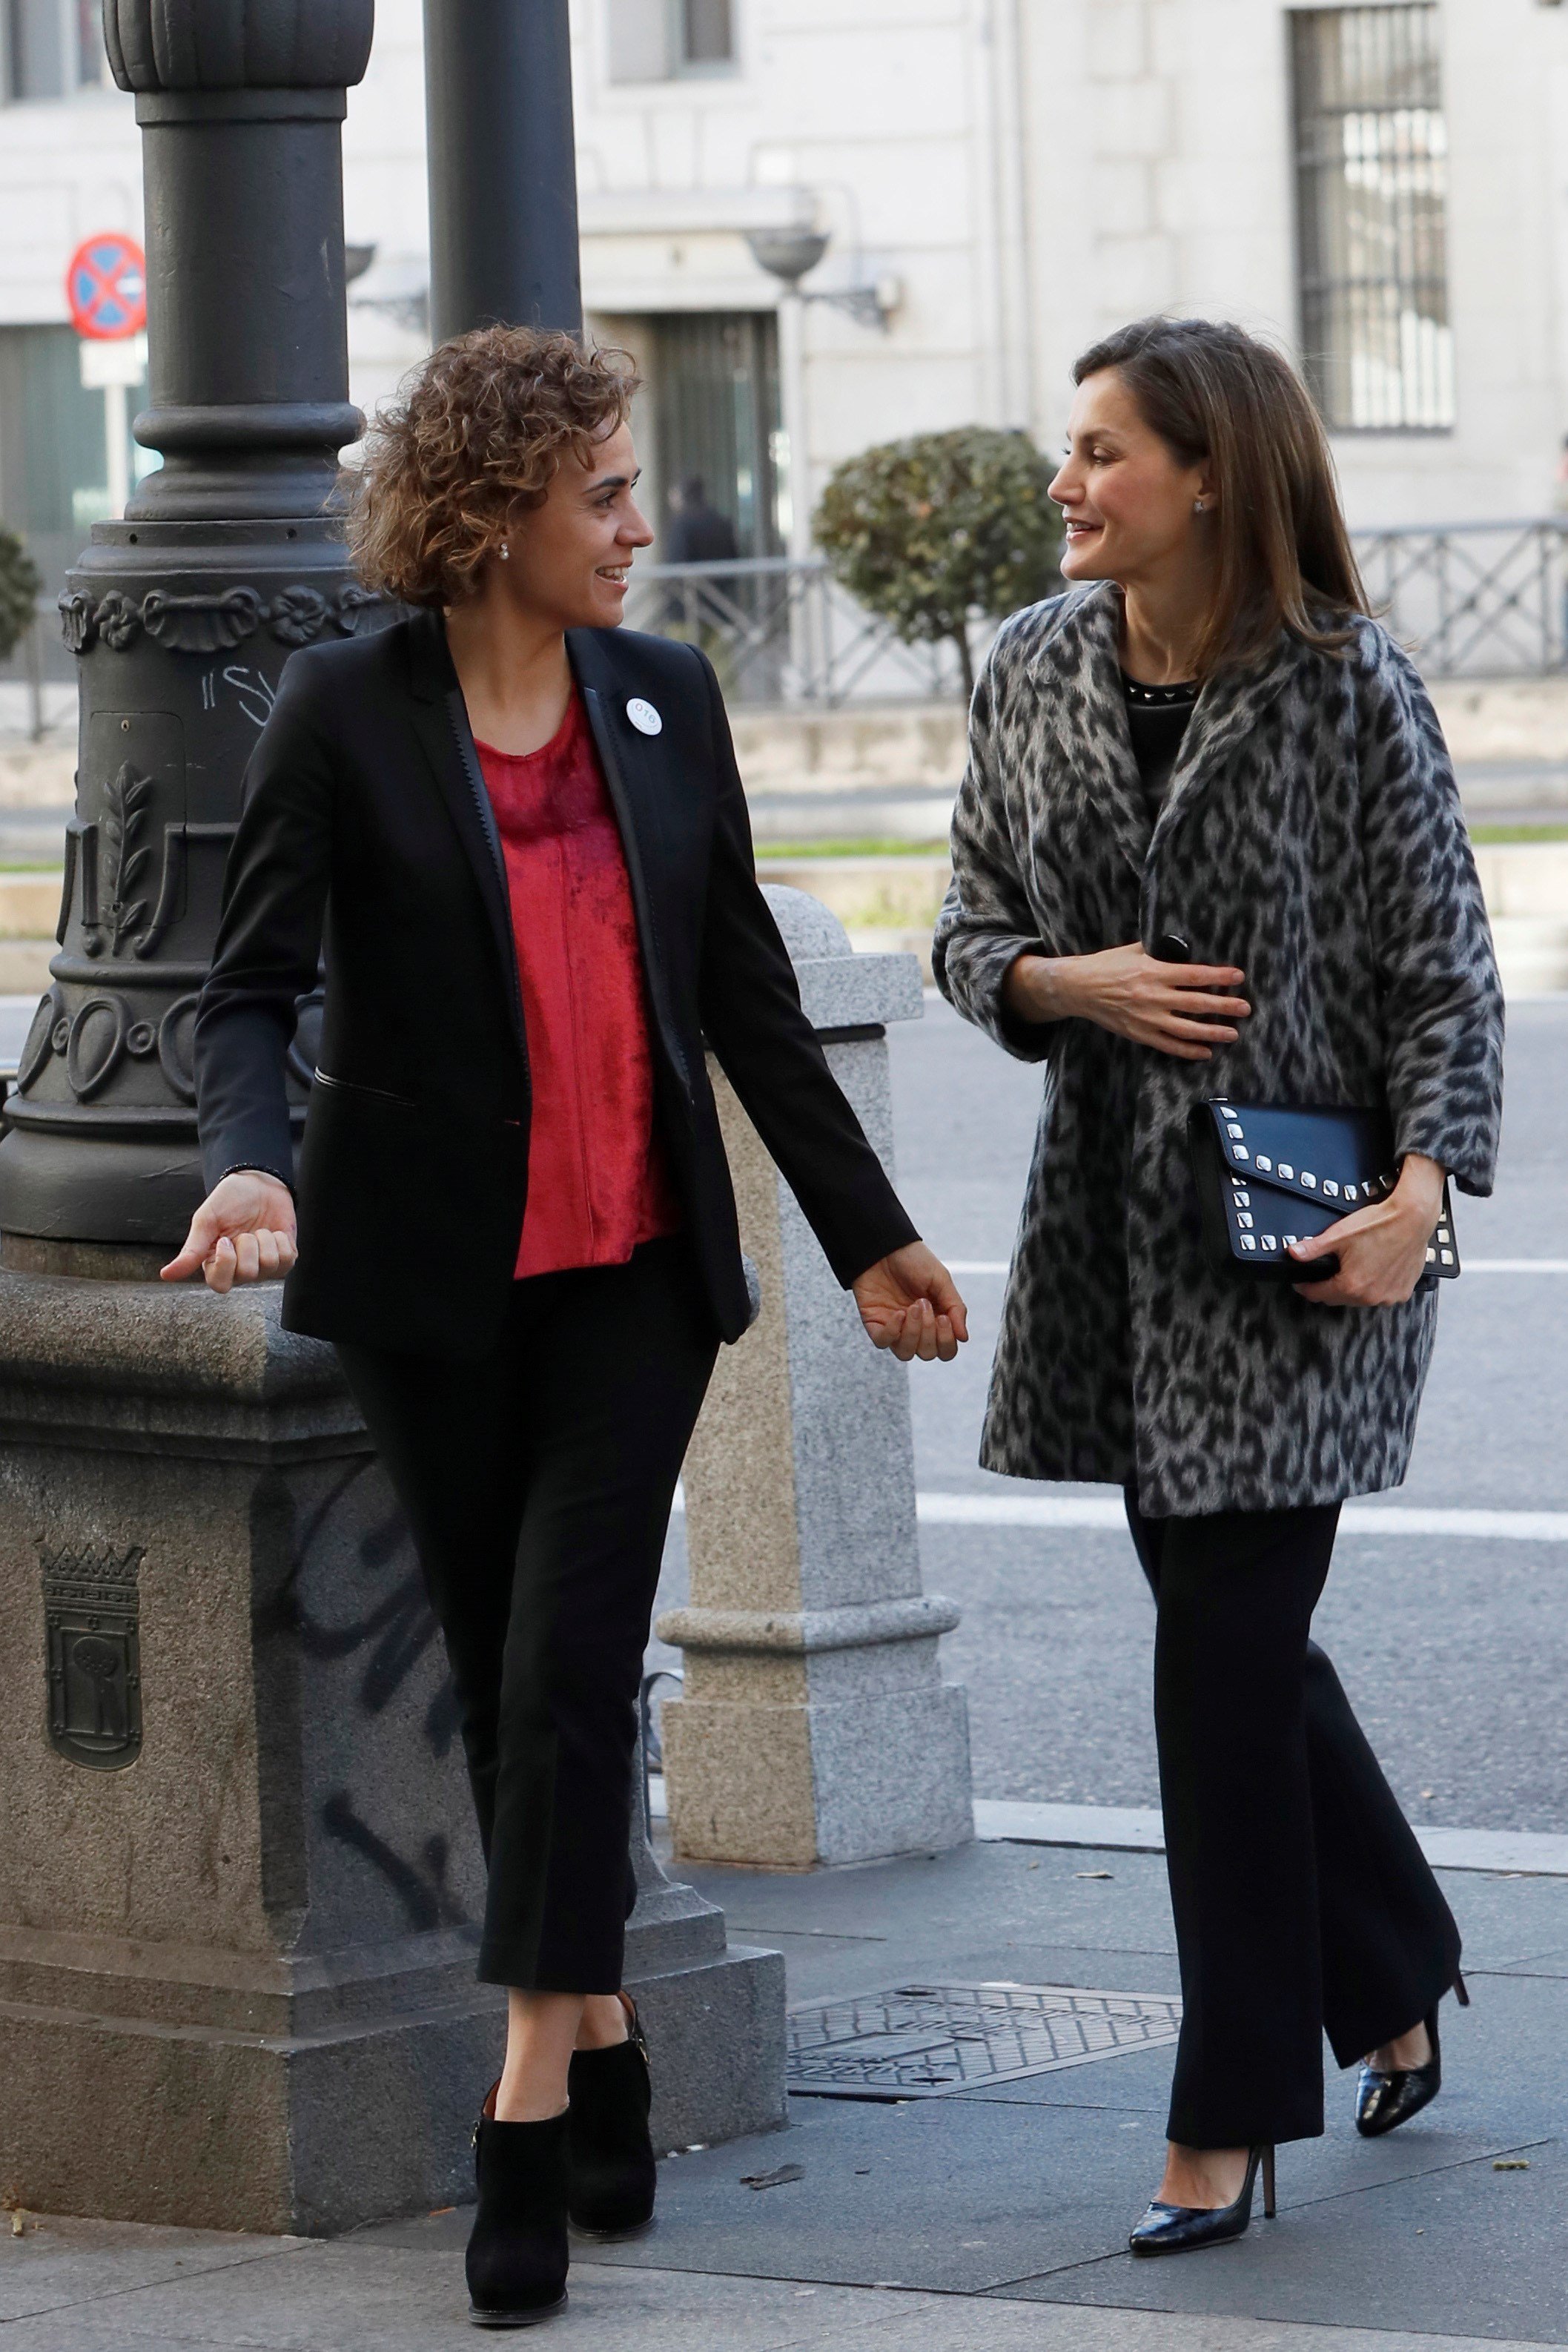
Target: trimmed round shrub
x: 930, y: 531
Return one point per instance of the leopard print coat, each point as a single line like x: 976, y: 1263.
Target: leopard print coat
x: 1312, y: 835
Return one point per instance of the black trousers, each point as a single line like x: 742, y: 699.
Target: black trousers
x: 1303, y: 1902
x: 538, y: 1482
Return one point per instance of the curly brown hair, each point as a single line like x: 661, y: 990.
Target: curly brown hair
x: 478, y: 430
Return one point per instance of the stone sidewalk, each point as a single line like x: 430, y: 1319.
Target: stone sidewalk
x: 991, y: 2216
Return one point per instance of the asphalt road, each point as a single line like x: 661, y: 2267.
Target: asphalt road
x: 1454, y: 1648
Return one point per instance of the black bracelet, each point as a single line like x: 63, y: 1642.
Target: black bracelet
x: 254, y: 1168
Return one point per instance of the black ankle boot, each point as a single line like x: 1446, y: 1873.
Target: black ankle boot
x: 611, y: 2171
x: 517, y: 2252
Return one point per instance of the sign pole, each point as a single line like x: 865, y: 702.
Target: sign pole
x: 115, y: 434
x: 106, y: 287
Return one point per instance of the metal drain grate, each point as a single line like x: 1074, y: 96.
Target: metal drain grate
x: 920, y: 2042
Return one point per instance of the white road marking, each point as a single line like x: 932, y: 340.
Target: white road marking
x: 1471, y: 1266
x: 1137, y: 1829
x: 1517, y: 1265
x: 1057, y: 1511
x: 1100, y: 1512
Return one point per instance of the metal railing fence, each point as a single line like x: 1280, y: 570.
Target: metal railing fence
x: 1473, y: 598
x: 782, y: 631
x: 1469, y: 599
x: 27, y: 664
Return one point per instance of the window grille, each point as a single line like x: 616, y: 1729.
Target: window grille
x: 1371, y: 195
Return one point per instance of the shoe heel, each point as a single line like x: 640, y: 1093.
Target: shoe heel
x: 1268, y: 2181
x: 1461, y: 1991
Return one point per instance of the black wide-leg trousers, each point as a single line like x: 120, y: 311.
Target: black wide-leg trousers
x: 1303, y: 1902
x: 537, y: 1480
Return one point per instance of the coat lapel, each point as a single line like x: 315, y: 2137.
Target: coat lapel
x: 1080, y: 670
x: 1226, y: 715
x: 1081, y: 664
x: 441, y: 723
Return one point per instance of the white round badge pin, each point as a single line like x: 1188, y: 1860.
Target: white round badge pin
x: 644, y: 716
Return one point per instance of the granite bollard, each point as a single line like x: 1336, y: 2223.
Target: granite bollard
x: 813, y: 1725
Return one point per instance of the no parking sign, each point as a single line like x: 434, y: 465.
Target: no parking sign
x: 106, y: 285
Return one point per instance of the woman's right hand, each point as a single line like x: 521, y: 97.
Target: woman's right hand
x: 243, y: 1232
x: 1181, y: 1009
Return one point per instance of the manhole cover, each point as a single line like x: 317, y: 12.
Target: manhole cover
x: 919, y: 2041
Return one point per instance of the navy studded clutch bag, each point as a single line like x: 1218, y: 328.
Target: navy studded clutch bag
x: 1268, y: 1175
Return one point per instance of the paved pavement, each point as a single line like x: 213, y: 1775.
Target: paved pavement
x: 979, y: 2220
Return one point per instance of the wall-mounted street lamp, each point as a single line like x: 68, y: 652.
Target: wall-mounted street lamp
x: 788, y: 255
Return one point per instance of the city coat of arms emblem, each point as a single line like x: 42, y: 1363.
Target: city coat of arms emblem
x: 94, y: 1661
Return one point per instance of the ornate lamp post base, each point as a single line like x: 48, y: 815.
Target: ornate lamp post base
x: 180, y: 629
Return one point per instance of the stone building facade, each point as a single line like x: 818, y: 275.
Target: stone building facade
x: 1382, y: 187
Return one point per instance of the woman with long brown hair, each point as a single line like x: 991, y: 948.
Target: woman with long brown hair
x: 524, y: 832
x: 1209, y: 848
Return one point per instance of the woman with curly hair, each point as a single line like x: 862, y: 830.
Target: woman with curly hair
x: 525, y: 836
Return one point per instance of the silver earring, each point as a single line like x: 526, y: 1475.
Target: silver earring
x: 506, y: 552
x: 1197, y: 507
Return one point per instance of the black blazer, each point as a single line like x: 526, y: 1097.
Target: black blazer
x: 366, y: 822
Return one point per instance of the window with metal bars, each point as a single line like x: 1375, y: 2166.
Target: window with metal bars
x: 1371, y: 216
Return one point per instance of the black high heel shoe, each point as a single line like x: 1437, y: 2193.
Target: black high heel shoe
x: 611, y: 2174
x: 517, y: 2252
x: 1383, y: 2102
x: 1176, y: 2228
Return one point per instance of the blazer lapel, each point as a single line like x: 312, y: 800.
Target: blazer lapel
x: 441, y: 723
x: 635, y: 775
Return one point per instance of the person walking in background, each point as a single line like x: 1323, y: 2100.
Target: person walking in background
x: 528, y: 839
x: 697, y: 532
x: 1209, y: 844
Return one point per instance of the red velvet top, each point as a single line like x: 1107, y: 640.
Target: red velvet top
x: 598, y: 1183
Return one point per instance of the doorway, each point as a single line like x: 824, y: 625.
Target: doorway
x: 715, y: 382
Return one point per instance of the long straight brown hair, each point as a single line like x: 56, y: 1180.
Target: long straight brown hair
x: 1213, y: 392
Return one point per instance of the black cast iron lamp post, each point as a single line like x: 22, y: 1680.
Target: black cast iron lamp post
x: 182, y: 614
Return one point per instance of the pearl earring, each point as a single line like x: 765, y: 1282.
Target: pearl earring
x: 506, y: 552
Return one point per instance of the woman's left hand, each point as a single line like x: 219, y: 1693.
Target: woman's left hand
x: 910, y: 1303
x: 1382, y: 1250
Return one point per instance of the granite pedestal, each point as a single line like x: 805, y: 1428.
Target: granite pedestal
x: 239, y: 1881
